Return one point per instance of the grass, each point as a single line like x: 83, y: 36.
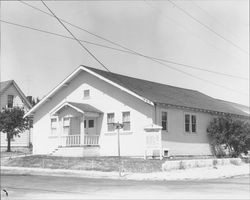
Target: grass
x: 105, y: 164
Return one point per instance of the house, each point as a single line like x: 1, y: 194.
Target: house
x: 77, y: 117
x: 11, y: 96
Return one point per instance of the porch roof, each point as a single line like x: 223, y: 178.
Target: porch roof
x: 79, y: 107
x: 84, y: 107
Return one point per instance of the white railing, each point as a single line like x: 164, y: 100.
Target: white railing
x: 71, y: 140
x: 75, y: 140
x: 91, y: 139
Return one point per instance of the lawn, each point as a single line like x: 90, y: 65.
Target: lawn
x: 87, y: 163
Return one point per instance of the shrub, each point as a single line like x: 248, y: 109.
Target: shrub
x: 233, y: 134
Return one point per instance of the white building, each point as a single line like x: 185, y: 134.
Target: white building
x: 76, y: 118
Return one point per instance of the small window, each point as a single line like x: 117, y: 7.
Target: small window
x: 10, y: 101
x: 91, y: 123
x: 86, y: 93
x: 164, y: 121
x: 53, y: 126
x: 126, y: 121
x: 187, y: 123
x: 110, y: 121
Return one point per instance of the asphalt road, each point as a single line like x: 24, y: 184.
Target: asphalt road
x: 51, y: 187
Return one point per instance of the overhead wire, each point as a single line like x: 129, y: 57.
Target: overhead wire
x: 116, y: 49
x: 208, y: 27
x: 151, y: 58
x: 75, y: 37
x: 135, y: 52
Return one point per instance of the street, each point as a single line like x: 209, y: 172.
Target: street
x: 51, y: 187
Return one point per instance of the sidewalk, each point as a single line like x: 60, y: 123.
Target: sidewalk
x: 187, y: 174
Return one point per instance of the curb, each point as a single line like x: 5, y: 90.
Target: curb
x: 191, y: 174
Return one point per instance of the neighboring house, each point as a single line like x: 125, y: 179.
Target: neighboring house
x: 12, y: 96
x: 76, y: 118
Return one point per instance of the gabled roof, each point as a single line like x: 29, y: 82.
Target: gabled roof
x: 170, y: 95
x: 152, y: 92
x: 85, y: 107
x: 80, y: 107
x: 6, y: 84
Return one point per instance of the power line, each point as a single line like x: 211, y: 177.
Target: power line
x: 75, y: 37
x: 124, y: 51
x: 127, y: 50
x: 208, y: 28
x: 150, y: 59
x: 187, y: 30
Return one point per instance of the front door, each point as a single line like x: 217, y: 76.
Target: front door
x: 90, y: 126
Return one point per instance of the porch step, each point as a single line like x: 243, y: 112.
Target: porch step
x: 78, y: 151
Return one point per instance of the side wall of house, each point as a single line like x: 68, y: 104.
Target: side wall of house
x: 24, y: 139
x: 106, y: 98
x: 180, y: 142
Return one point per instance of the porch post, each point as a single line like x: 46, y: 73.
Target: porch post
x: 82, y: 130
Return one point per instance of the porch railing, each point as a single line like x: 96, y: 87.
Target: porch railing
x: 91, y: 139
x: 75, y: 140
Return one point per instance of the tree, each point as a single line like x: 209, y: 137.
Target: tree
x: 12, y: 123
x: 234, y: 134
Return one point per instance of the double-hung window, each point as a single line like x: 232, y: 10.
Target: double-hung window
x: 164, y: 121
x: 110, y: 121
x: 10, y: 101
x: 126, y: 121
x: 66, y: 125
x: 190, y: 123
x: 53, y: 126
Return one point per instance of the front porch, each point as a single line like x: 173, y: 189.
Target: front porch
x: 79, y: 140
x: 76, y: 124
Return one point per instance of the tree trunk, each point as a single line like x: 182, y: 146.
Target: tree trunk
x: 9, y: 140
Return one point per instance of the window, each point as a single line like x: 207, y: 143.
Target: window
x: 187, y: 123
x: 66, y: 125
x: 193, y: 123
x: 126, y: 121
x: 86, y: 94
x: 53, y: 125
x: 91, y: 123
x: 10, y: 101
x: 190, y: 123
x: 164, y: 121
x: 110, y: 121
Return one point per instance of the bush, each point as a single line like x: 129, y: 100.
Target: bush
x: 233, y: 134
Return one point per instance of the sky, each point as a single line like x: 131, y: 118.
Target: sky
x: 207, y: 34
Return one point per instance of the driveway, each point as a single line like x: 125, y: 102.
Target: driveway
x: 51, y: 187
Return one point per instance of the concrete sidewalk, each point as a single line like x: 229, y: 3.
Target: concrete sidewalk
x: 187, y: 174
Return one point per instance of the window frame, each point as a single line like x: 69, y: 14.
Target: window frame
x: 190, y: 124
x: 84, y: 94
x: 128, y: 122
x: 110, y: 122
x: 63, y: 125
x: 166, y: 121
x: 53, y: 128
x: 12, y: 103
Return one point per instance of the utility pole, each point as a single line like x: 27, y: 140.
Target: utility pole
x: 118, y: 126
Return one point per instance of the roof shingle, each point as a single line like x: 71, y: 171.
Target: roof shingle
x: 166, y: 94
